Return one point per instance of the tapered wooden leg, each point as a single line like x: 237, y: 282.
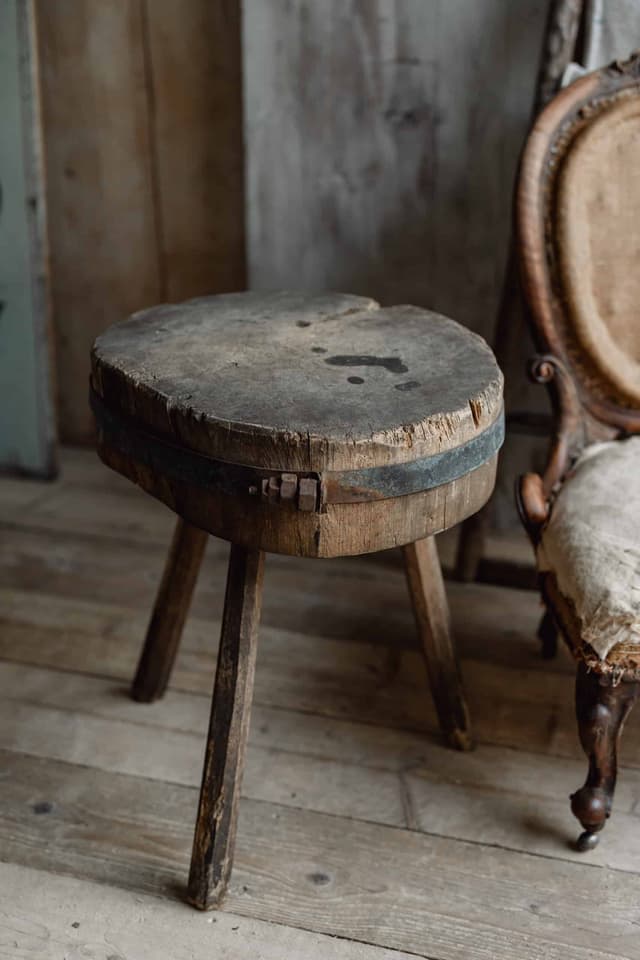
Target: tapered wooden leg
x: 432, y: 616
x: 220, y: 792
x: 601, y: 709
x: 169, y: 612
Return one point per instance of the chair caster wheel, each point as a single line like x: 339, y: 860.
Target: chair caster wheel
x: 587, y: 841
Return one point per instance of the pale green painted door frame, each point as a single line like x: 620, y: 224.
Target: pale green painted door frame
x: 27, y: 420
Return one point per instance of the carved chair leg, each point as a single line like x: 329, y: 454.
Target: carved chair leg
x: 214, y: 837
x: 431, y: 610
x: 548, y: 635
x: 601, y: 710
x: 169, y: 612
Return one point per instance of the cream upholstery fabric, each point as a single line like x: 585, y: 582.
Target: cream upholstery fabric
x: 592, y: 543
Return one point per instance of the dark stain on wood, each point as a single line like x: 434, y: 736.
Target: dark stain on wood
x: 392, y: 364
x: 148, y: 366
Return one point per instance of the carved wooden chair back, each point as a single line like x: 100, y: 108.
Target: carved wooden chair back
x: 578, y: 231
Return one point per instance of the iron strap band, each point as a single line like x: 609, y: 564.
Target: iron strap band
x: 133, y: 440
x: 399, y: 479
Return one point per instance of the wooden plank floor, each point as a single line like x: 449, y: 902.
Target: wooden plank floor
x: 360, y: 836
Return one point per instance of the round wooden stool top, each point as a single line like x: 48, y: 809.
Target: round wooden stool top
x: 313, y: 425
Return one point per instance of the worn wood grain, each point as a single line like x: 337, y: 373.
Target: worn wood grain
x: 345, y: 599
x: 512, y: 706
x: 498, y: 796
x: 169, y: 612
x: 337, y: 530
x: 70, y: 918
x: 320, y: 743
x: 175, y: 388
x: 193, y: 372
x: 121, y: 517
x: 143, y: 122
x: 433, y: 620
x: 157, y: 750
x: 315, y: 872
x: 104, y: 638
x: 84, y: 473
x: 195, y: 115
x: 104, y: 247
x: 74, y: 698
x: 214, y: 839
x: 341, y: 599
x: 370, y: 98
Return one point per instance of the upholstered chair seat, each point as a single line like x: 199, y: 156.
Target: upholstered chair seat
x: 590, y: 545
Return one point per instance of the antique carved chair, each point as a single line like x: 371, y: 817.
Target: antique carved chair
x: 578, y: 225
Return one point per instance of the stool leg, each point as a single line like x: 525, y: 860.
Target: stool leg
x: 214, y: 838
x: 169, y: 612
x: 432, y: 617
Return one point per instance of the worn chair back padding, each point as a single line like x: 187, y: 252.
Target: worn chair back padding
x: 577, y: 211
x: 597, y: 216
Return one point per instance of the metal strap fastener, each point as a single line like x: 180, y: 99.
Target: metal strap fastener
x: 306, y: 490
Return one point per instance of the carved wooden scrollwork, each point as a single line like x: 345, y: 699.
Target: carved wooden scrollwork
x: 570, y: 434
x: 533, y: 491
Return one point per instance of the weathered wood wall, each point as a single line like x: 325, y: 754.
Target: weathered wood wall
x: 382, y: 138
x: 142, y: 114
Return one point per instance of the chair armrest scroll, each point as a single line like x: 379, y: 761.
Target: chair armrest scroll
x: 532, y: 503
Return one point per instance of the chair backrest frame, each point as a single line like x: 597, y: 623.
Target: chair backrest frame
x: 587, y: 407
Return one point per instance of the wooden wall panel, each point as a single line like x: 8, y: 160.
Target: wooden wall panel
x: 103, y: 230
x: 382, y: 138
x: 196, y: 111
x: 142, y: 108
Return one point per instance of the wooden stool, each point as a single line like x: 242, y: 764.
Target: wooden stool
x: 315, y: 426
